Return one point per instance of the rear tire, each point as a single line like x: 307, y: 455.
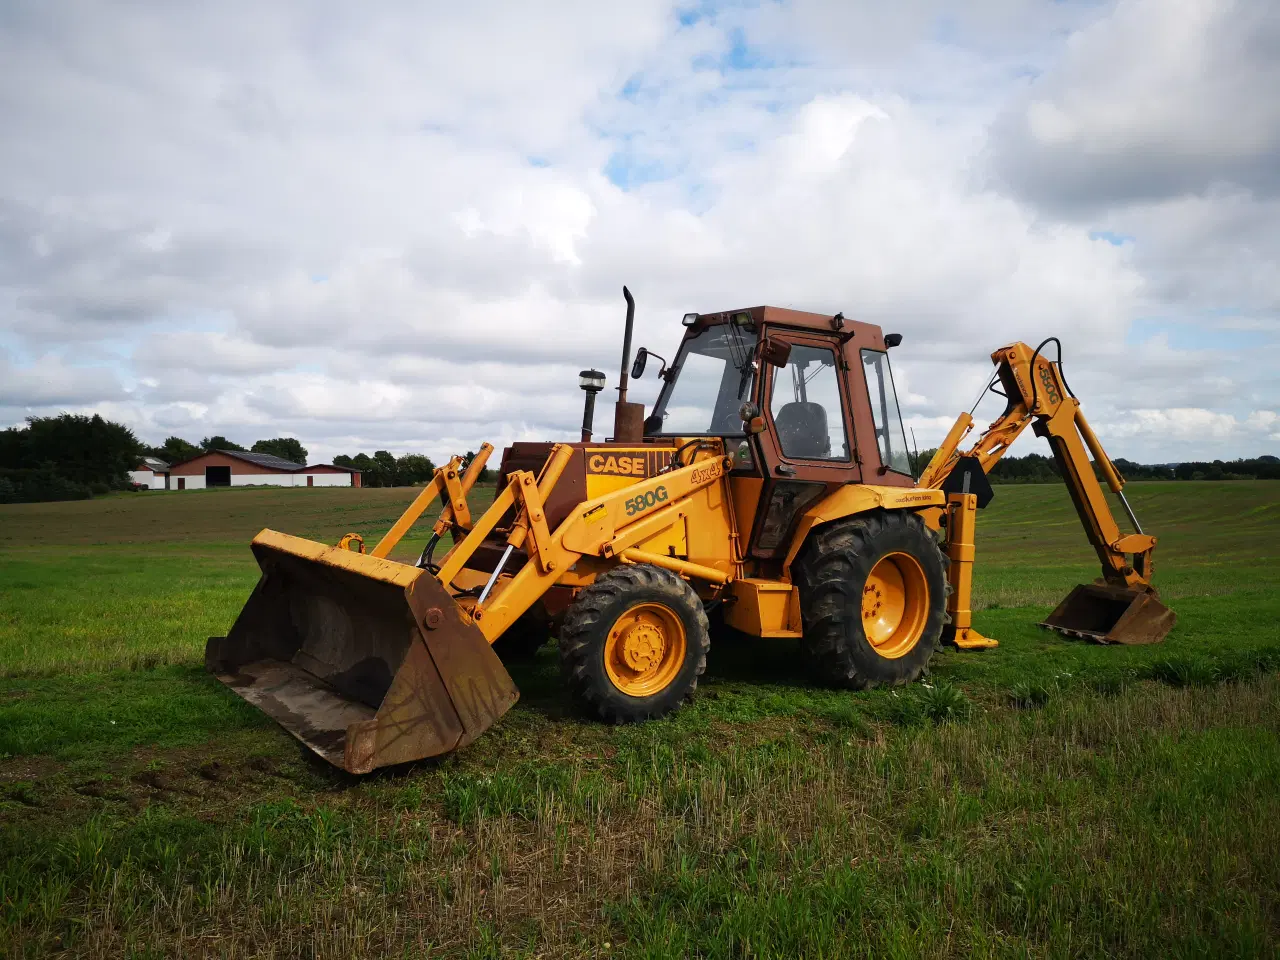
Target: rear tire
x: 633, y: 644
x: 872, y: 600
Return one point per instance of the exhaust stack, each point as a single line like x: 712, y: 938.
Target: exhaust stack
x: 628, y: 418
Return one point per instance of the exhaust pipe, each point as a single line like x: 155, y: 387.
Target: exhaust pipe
x: 628, y: 418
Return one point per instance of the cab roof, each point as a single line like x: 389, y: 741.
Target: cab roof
x: 868, y: 334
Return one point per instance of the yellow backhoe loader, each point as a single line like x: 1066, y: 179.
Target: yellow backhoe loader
x: 770, y: 482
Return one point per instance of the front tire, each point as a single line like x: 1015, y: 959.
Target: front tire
x: 633, y: 644
x: 872, y: 599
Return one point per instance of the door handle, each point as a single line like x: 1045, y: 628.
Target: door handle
x: 785, y: 470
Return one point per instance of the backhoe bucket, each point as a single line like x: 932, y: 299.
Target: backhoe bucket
x: 1108, y: 614
x: 367, y: 661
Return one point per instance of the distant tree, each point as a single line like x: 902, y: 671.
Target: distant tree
x: 921, y: 460
x: 372, y: 472
x: 174, y: 450
x: 287, y: 448
x: 13, y: 447
x: 1032, y: 468
x: 378, y: 470
x: 1137, y: 471
x: 385, y: 467
x: 413, y: 468
x: 67, y: 457
x: 342, y: 460
x: 219, y: 442
x: 81, y: 448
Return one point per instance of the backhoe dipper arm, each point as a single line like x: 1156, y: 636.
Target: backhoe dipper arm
x: 1038, y: 396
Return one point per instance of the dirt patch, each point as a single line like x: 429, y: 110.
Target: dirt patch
x: 99, y: 790
x: 28, y: 768
x: 265, y: 766
x: 214, y: 771
x: 157, y: 780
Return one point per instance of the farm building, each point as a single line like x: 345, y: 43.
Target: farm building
x: 235, y: 468
x: 150, y: 474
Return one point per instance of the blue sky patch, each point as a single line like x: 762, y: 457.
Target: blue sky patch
x: 629, y: 171
x: 1115, y: 239
x: 1193, y: 335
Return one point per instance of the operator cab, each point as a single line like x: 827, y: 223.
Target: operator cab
x: 822, y: 383
x: 804, y: 403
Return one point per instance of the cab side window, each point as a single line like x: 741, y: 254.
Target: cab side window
x: 806, y: 408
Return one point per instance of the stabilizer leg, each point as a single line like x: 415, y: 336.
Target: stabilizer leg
x: 962, y: 511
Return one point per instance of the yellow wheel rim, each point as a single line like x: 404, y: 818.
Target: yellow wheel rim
x: 895, y: 605
x: 645, y: 649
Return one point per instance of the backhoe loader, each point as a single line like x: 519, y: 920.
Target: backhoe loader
x: 769, y: 485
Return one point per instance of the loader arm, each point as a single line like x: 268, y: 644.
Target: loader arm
x: 1038, y: 396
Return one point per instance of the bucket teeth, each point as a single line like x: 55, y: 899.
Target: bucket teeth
x: 367, y: 661
x: 1108, y: 614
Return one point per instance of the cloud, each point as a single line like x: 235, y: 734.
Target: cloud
x: 407, y: 228
x: 50, y: 382
x: 1158, y: 99
x: 1194, y: 433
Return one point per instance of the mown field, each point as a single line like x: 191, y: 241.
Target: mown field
x: 1048, y: 798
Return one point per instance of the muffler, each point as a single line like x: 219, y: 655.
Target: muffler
x: 1111, y: 614
x: 367, y: 661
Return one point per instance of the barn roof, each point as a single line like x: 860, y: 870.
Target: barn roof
x: 260, y: 459
x: 268, y: 460
x: 155, y: 464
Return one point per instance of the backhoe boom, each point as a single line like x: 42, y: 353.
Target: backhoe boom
x: 1039, y: 397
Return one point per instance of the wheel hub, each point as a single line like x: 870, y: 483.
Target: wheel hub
x: 642, y: 646
x: 645, y: 649
x: 895, y: 604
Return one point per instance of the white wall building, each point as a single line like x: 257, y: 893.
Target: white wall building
x: 235, y: 468
x: 151, y: 473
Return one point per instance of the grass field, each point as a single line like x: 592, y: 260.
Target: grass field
x: 1048, y: 798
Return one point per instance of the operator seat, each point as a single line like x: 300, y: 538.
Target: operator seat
x: 802, y: 430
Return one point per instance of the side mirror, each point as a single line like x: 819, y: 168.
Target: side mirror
x: 775, y: 352
x: 637, y: 366
x: 891, y: 340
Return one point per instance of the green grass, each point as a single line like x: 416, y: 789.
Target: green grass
x: 1047, y: 798
x: 139, y: 580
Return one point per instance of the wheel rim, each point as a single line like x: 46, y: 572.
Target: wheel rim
x: 895, y: 605
x: 645, y: 649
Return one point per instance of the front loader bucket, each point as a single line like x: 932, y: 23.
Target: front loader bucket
x: 1108, y: 614
x: 367, y: 661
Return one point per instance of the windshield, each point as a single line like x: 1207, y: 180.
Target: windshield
x: 711, y: 377
x: 890, y: 436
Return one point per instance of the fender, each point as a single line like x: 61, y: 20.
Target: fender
x: 855, y: 498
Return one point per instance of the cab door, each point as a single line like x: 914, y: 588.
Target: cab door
x: 807, y: 447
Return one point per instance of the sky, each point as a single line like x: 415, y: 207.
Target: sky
x: 406, y: 226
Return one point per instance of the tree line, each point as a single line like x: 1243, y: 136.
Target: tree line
x: 75, y: 456
x: 384, y: 469
x: 67, y: 457
x: 1037, y: 468
x: 175, y: 449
